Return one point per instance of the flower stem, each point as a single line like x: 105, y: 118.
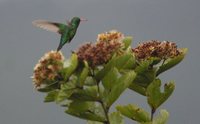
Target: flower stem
x: 163, y: 62
x: 105, y: 112
x: 105, y: 109
x: 152, y: 113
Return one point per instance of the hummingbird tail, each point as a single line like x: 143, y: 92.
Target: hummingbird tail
x: 59, y: 47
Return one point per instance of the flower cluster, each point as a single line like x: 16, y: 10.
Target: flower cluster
x: 154, y: 48
x: 100, y: 52
x: 110, y: 36
x: 47, y: 69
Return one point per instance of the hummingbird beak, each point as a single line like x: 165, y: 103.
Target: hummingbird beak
x: 82, y: 19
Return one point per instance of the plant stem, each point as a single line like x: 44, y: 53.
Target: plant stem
x: 152, y: 113
x: 105, y: 109
x: 163, y: 62
x: 106, y: 112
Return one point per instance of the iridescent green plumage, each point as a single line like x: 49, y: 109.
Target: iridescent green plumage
x: 67, y: 32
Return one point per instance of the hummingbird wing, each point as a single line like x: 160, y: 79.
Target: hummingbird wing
x: 50, y: 26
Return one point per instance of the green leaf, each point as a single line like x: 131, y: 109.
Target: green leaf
x: 79, y: 106
x: 169, y: 63
x: 110, y: 79
x: 49, y: 87
x: 51, y: 96
x: 87, y: 94
x: 154, y: 95
x: 127, y: 41
x: 137, y: 88
x: 90, y: 81
x: 66, y: 90
x: 94, y: 122
x: 134, y: 112
x: 155, y: 60
x: 162, y: 118
x: 142, y: 67
x: 145, y: 73
x: 126, y: 61
x: 116, y: 118
x: 100, y: 74
x: 84, y: 110
x: 83, y: 74
x: 70, y: 66
x: 122, y: 83
x: 145, y: 78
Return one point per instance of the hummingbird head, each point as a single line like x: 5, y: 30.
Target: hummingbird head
x: 76, y: 21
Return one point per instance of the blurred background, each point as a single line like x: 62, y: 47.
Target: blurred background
x: 21, y: 45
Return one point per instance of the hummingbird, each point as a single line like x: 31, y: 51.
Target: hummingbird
x: 67, y: 31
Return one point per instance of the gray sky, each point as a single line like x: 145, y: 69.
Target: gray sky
x: 21, y: 45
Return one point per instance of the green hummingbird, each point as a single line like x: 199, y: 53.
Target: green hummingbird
x: 67, y: 31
